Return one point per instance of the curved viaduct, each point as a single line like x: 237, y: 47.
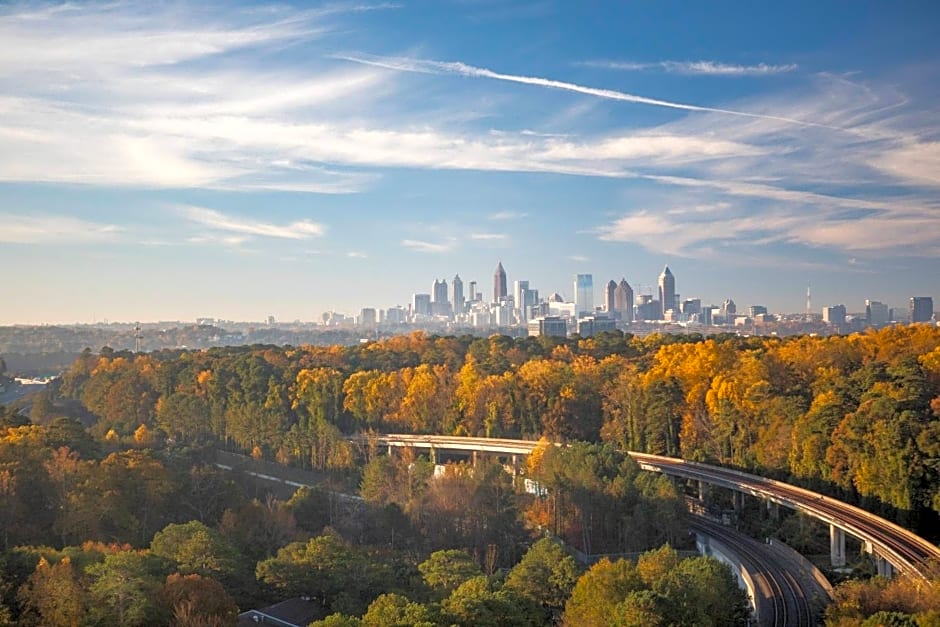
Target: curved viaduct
x: 894, y: 548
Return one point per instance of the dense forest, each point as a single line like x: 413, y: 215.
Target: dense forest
x: 108, y: 490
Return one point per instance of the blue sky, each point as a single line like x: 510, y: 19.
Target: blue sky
x: 169, y: 160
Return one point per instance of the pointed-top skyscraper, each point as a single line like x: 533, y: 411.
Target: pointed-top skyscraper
x: 499, y: 283
x: 667, y: 290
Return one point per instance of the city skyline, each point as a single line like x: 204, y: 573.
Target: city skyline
x: 260, y: 159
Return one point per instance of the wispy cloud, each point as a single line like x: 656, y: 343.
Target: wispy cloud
x: 302, y: 229
x: 462, y: 69
x: 422, y: 246
x: 53, y: 229
x: 489, y: 237
x: 708, y: 68
x: 507, y: 215
x: 578, y: 258
x: 356, y: 254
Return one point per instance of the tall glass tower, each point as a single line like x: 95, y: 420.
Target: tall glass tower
x: 667, y: 291
x: 583, y: 294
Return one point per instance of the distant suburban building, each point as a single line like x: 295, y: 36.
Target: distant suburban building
x: 548, y: 325
x: 595, y: 324
x: 921, y: 308
x: 834, y: 314
x: 876, y: 314
x: 367, y: 317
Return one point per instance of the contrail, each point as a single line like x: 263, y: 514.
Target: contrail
x: 462, y: 69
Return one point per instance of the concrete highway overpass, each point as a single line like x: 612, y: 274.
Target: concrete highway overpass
x: 893, y: 547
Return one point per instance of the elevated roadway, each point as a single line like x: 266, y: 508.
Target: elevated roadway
x: 894, y: 548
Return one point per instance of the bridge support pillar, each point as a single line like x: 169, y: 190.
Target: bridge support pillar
x: 474, y: 458
x: 515, y: 466
x: 701, y: 490
x: 836, y: 546
x: 737, y: 500
x: 882, y: 565
x: 389, y: 452
x: 432, y: 455
x: 773, y: 509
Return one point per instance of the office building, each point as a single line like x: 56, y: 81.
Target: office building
x: 647, y: 308
x: 473, y: 291
x: 834, y: 314
x: 457, y: 293
x: 667, y: 290
x: 499, y: 283
x: 921, y: 308
x: 367, y: 317
x: 876, y: 313
x: 421, y: 304
x: 519, y: 288
x: 756, y: 310
x: 728, y: 311
x: 395, y: 315
x: 623, y: 301
x: 610, y: 297
x: 591, y: 325
x: 439, y: 291
x: 548, y: 325
x: 691, y: 306
x: 583, y: 294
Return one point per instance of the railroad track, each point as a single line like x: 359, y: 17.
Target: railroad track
x: 776, y: 587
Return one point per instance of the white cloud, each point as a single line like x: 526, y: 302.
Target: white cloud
x: 53, y: 229
x: 709, y: 68
x: 488, y: 237
x: 507, y: 215
x: 422, y: 246
x: 301, y: 229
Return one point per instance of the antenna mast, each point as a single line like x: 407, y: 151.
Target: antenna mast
x: 809, y: 304
x: 137, y: 338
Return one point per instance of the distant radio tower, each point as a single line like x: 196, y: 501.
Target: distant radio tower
x: 809, y: 304
x: 137, y: 338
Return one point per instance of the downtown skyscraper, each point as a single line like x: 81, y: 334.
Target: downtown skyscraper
x: 667, y: 291
x: 499, y: 283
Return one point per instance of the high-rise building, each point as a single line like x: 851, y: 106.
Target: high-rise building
x: 473, y: 291
x: 367, y: 317
x: 834, y: 314
x: 667, y: 290
x: 518, y: 297
x: 583, y: 294
x: 921, y: 308
x: 499, y: 283
x: 756, y: 310
x: 421, y: 304
x: 610, y: 305
x: 691, y: 306
x: 439, y: 291
x: 458, y: 298
x: 876, y: 313
x: 623, y: 301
